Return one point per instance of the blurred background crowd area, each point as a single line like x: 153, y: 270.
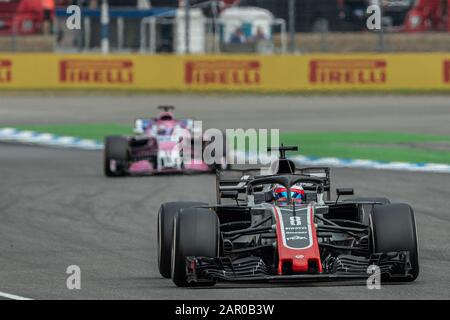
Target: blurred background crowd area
x: 224, y: 26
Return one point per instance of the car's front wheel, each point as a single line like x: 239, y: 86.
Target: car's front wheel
x: 166, y: 215
x: 195, y: 233
x: 117, y: 150
x: 393, y: 229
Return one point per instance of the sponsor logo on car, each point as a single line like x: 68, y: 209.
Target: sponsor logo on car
x: 223, y: 72
x: 5, y: 71
x: 447, y: 71
x: 96, y: 71
x: 296, y: 238
x: 340, y: 72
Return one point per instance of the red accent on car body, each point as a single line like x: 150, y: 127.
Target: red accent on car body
x: 300, y: 259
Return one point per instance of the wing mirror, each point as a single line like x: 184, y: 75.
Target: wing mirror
x: 345, y: 192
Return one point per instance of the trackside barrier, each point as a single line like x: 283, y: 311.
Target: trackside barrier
x: 227, y: 72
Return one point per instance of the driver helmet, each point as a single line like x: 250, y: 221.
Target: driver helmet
x: 297, y: 193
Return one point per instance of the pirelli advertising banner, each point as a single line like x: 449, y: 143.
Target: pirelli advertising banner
x: 227, y: 73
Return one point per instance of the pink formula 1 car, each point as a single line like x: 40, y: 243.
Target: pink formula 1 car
x: 156, y: 148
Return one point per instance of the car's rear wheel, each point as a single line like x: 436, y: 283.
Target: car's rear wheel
x: 393, y: 228
x: 116, y: 149
x: 195, y: 233
x: 166, y: 214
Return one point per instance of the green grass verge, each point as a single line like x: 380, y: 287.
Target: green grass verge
x: 383, y: 146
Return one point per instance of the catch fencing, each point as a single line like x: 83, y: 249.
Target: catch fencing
x: 227, y: 26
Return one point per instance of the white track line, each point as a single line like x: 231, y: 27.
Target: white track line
x: 12, y: 296
x: 358, y: 163
x: 47, y: 139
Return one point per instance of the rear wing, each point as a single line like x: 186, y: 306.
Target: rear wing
x: 236, y: 180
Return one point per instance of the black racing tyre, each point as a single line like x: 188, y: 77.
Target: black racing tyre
x: 116, y: 148
x: 195, y: 233
x: 393, y: 228
x: 166, y: 214
x: 367, y: 208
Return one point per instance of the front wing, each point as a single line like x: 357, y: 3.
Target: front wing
x: 253, y: 269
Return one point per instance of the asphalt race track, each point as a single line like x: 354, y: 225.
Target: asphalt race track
x: 57, y: 209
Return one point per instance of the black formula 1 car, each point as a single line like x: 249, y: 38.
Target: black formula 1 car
x: 256, y: 238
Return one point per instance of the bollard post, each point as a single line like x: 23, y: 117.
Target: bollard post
x: 187, y: 27
x: 105, y: 27
x: 292, y: 23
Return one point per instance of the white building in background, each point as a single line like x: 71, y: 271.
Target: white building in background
x: 247, y: 23
x: 197, y: 31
